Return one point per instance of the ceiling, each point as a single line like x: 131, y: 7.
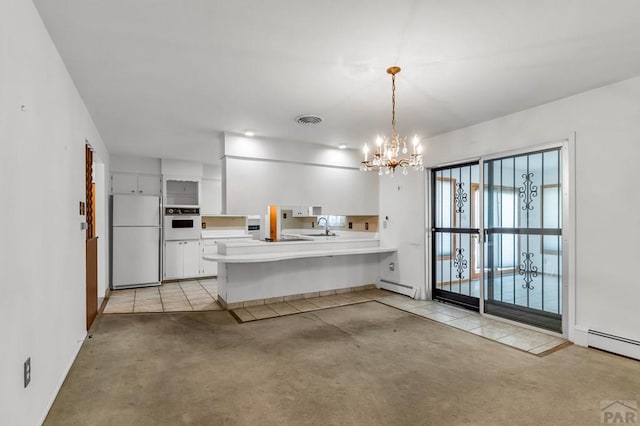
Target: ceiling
x: 165, y: 78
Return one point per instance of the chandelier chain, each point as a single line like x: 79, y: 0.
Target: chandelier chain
x: 393, y: 106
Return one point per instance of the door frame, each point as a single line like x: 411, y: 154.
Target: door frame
x: 567, y: 147
x: 460, y: 299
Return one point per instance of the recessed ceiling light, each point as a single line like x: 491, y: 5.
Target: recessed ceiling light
x: 342, y: 146
x: 249, y: 133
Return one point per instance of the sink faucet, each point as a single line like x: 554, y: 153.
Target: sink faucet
x: 326, y: 225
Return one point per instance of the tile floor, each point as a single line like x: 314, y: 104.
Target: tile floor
x: 201, y: 295
x: 180, y: 296
x: 544, y: 295
x: 522, y: 338
x: 258, y: 312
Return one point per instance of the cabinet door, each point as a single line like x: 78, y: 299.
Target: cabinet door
x: 173, y: 260
x: 124, y: 184
x: 302, y: 211
x: 209, y: 267
x: 149, y: 185
x: 192, y: 256
x: 211, y: 200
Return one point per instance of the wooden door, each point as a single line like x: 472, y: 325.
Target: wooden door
x: 91, y: 248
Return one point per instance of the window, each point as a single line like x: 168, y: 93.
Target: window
x: 337, y: 221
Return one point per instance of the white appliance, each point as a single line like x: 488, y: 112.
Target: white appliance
x: 182, y: 223
x: 135, y: 241
x: 253, y: 226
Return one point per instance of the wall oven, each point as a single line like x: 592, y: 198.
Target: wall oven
x: 182, y: 223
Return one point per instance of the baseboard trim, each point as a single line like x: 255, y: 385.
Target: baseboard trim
x: 616, y: 344
x: 579, y: 336
x: 398, y: 288
x: 63, y: 378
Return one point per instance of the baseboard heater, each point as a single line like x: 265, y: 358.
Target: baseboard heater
x: 616, y: 344
x: 398, y: 288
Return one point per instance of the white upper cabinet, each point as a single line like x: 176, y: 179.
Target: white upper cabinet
x: 181, y: 191
x: 124, y: 184
x: 306, y: 211
x: 149, y: 185
x: 127, y: 183
x: 211, y: 201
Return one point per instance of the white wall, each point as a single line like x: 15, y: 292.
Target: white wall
x: 259, y: 172
x: 42, y: 250
x: 402, y: 225
x: 181, y: 168
x: 606, y: 123
x: 139, y: 165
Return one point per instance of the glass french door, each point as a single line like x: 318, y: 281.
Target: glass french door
x: 455, y: 214
x: 523, y: 238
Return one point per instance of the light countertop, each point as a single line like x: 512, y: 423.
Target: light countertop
x: 249, y: 251
x: 294, y: 254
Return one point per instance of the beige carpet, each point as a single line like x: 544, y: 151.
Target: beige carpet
x: 363, y: 364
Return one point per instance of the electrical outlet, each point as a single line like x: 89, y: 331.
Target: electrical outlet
x: 27, y: 372
x: 350, y: 225
x: 392, y: 266
x: 366, y: 226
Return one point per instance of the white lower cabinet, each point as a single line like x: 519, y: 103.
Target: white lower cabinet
x: 181, y: 259
x: 191, y: 266
x: 208, y: 267
x: 210, y: 246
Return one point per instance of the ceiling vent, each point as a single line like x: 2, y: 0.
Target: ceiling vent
x: 308, y: 119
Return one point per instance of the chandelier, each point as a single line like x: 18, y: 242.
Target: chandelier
x: 388, y: 150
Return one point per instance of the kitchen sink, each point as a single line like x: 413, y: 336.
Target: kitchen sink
x: 320, y: 235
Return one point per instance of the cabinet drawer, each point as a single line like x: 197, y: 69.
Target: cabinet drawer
x: 209, y: 243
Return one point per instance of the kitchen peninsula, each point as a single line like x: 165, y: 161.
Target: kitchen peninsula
x: 260, y: 271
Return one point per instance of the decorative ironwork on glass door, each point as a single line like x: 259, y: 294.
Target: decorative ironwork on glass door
x: 455, y: 222
x: 523, y: 236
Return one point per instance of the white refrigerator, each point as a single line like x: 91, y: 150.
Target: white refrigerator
x: 135, y: 241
